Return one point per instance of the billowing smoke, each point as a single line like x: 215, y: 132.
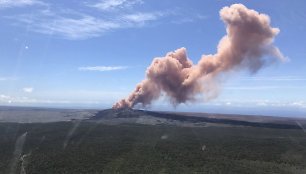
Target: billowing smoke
x: 247, y: 45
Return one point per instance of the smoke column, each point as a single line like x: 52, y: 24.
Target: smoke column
x: 247, y: 45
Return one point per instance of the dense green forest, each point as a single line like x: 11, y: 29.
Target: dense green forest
x: 91, y: 147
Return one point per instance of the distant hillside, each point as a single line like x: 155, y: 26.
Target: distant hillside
x: 119, y: 116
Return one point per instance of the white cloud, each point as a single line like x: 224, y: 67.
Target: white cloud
x: 5, y: 98
x: 263, y: 87
x: 108, y: 5
x: 28, y: 90
x: 189, y: 18
x: 183, y: 20
x: 300, y: 104
x: 68, y: 98
x: 81, y: 28
x: 85, y: 23
x: 251, y: 87
x: 141, y: 17
x: 101, y: 68
x: 7, y: 78
x: 258, y: 103
x: 294, y: 104
x: 228, y: 103
x: 19, y: 3
x: 280, y: 78
x: 75, y: 25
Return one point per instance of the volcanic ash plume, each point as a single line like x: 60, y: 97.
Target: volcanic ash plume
x: 247, y: 45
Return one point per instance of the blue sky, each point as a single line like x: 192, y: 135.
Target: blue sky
x: 90, y: 54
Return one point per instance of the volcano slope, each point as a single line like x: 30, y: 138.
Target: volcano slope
x: 120, y: 116
x: 137, y: 141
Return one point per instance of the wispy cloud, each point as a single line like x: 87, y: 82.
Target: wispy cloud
x: 71, y: 24
x: 259, y: 103
x: 252, y: 87
x: 189, y: 18
x: 268, y: 103
x: 115, y: 4
x: 3, y: 78
x: 19, y: 3
x: 6, y: 99
x: 142, y: 17
x: 102, y: 68
x: 80, y: 28
x: 70, y: 97
x: 28, y: 90
x: 280, y: 78
x: 263, y: 87
x: 90, y: 19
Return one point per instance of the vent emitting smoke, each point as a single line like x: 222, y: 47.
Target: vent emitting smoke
x: 247, y: 45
